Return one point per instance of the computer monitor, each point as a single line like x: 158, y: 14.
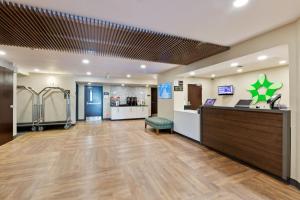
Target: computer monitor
x: 209, y: 102
x: 243, y: 103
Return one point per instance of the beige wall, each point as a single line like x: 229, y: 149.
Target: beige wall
x: 290, y: 35
x: 181, y: 98
x: 241, y: 82
x: 81, y: 102
x: 126, y: 91
x: 55, y: 104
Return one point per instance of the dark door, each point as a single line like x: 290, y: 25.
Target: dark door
x: 93, y: 101
x: 6, y: 102
x: 153, y: 101
x: 195, y: 96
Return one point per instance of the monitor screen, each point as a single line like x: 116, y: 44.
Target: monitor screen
x: 243, y: 103
x: 165, y: 90
x: 209, y: 102
x: 225, y: 90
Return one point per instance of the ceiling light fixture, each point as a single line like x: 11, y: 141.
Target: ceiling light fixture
x: 282, y: 62
x: 36, y: 70
x: 85, y: 61
x: 128, y: 76
x: 213, y: 75
x: 143, y: 66
x: 262, y: 57
x: 122, y: 84
x: 239, y: 70
x: 88, y: 73
x: 89, y: 83
x: 240, y: 3
x: 235, y: 64
x: 192, y: 73
x: 2, y: 53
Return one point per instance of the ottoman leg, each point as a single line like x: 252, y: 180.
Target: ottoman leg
x: 171, y: 130
x: 157, y: 131
x: 145, y: 125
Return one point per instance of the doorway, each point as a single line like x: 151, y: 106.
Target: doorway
x: 6, y: 102
x: 195, y: 96
x: 93, y: 102
x: 153, y: 101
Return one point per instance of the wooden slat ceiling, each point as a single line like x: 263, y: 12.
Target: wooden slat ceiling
x: 27, y: 26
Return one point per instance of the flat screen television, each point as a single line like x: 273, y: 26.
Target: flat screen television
x: 165, y: 90
x: 225, y: 90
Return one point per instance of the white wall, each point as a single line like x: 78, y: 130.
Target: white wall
x: 55, y: 105
x: 81, y: 94
x: 142, y: 93
x: 181, y: 97
x: 241, y: 83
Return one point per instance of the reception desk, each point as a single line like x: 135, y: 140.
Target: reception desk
x: 187, y: 123
x: 258, y: 137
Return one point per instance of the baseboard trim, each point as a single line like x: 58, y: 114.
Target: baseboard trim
x: 295, y: 183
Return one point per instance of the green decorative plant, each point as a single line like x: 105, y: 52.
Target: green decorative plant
x: 270, y: 89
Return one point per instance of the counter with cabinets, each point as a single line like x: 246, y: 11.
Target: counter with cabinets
x: 129, y: 112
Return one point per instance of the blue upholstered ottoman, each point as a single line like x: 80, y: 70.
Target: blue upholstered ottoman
x: 159, y: 123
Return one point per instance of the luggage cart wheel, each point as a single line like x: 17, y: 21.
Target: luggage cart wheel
x: 33, y: 128
x: 41, y: 128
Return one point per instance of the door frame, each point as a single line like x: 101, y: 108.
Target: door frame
x: 8, y: 136
x: 85, y: 86
x: 154, y: 88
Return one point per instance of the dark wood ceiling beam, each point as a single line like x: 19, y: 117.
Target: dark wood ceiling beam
x: 27, y: 26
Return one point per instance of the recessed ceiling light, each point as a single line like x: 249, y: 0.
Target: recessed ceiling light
x: 128, y: 75
x: 122, y: 84
x: 282, y: 62
x: 89, y: 73
x: 240, y: 70
x: 240, y: 3
x: 2, y: 53
x: 213, y: 75
x: 143, y: 66
x: 36, y: 70
x: 85, y: 61
x: 235, y: 64
x: 262, y: 57
x: 192, y: 73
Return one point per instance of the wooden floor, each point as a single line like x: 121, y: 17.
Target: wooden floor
x: 119, y: 160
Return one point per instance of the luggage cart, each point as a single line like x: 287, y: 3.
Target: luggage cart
x: 41, y: 121
x: 35, y: 108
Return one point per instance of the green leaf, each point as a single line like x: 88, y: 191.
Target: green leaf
x: 262, y: 78
x: 255, y: 99
x: 276, y: 86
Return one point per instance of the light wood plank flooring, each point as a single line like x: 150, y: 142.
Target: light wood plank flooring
x: 119, y: 160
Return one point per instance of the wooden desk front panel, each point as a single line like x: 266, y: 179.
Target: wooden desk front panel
x: 253, y: 137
